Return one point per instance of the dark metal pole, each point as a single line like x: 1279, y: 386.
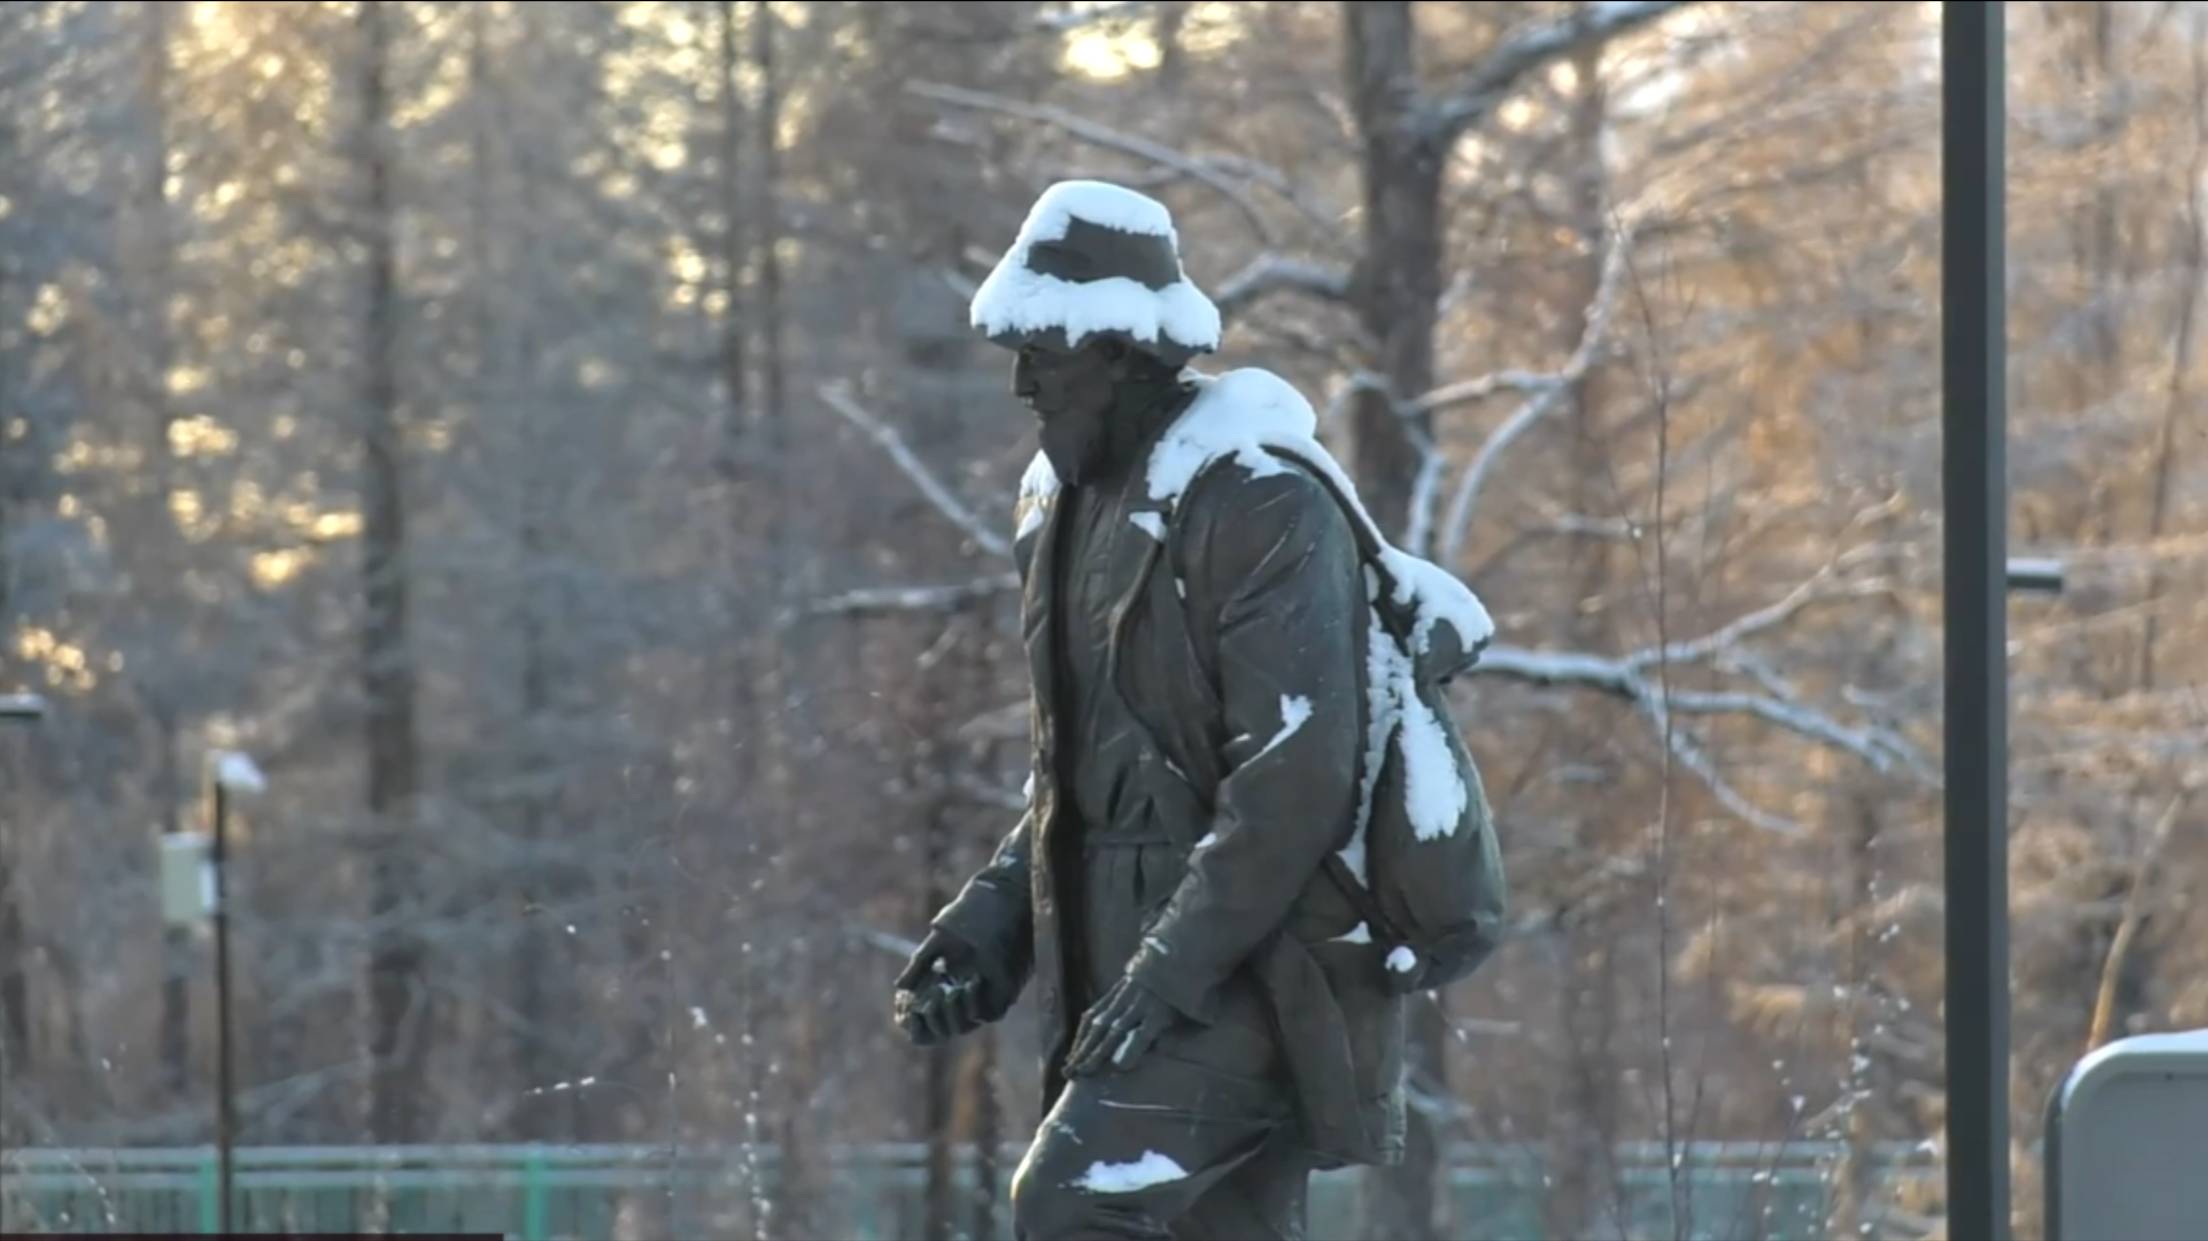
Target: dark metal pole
x: 1974, y: 432
x: 225, y: 1114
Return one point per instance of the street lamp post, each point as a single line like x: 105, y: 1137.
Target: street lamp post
x: 1975, y: 597
x: 234, y: 773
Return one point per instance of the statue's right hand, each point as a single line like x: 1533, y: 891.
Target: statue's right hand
x: 939, y: 954
x: 938, y: 994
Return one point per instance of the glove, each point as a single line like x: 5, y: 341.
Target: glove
x: 947, y: 989
x: 1118, y: 1029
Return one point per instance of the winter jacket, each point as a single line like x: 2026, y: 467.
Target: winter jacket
x: 1241, y: 653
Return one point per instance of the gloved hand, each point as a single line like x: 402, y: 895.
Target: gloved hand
x: 1118, y: 1029
x: 947, y: 989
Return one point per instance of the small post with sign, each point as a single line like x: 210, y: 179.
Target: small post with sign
x: 26, y: 707
x: 234, y: 773
x: 21, y: 709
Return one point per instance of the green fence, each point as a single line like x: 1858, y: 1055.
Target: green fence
x: 866, y: 1193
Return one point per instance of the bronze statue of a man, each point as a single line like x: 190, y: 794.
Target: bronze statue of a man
x: 1218, y: 1019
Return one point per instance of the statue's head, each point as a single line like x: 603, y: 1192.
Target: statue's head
x: 1091, y: 297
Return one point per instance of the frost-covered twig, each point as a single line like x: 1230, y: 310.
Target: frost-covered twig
x: 1271, y: 273
x: 1481, y: 387
x: 1359, y: 380
x: 1424, y: 486
x: 1521, y: 52
x: 1546, y: 392
x: 975, y: 789
x: 1818, y: 589
x: 839, y: 399
x: 906, y: 598
x: 895, y: 945
x: 1102, y: 135
x: 1877, y: 748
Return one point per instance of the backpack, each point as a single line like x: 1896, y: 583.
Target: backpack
x: 1433, y: 894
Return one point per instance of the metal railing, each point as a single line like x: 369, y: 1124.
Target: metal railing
x: 866, y: 1193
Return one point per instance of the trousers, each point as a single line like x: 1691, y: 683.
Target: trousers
x: 1195, y: 1141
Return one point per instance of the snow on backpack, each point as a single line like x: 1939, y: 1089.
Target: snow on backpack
x: 1423, y: 866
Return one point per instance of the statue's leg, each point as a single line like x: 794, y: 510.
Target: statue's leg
x: 1127, y: 1154
x: 1264, y: 1198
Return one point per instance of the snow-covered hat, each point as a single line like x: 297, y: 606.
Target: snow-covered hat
x: 1097, y: 259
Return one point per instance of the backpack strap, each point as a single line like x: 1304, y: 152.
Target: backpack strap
x: 1397, y: 621
x: 1364, y: 902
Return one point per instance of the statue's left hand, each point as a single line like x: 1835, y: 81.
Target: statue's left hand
x: 1118, y: 1029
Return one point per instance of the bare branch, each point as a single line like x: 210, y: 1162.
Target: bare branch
x: 1690, y: 753
x: 2127, y: 927
x: 1419, y: 525
x: 1359, y: 380
x: 838, y: 397
x: 1466, y: 391
x: 905, y: 598
x: 895, y: 945
x: 1004, y: 723
x: 1469, y: 485
x: 1580, y: 525
x: 1101, y: 135
x: 1547, y: 391
x: 1880, y: 749
x: 1270, y: 273
x: 1877, y: 746
x: 1523, y: 51
x: 1816, y: 590
x: 975, y: 789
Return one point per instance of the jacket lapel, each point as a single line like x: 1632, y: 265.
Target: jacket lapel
x: 1036, y: 611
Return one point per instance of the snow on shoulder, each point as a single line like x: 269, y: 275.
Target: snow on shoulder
x: 1243, y: 413
x: 1018, y: 298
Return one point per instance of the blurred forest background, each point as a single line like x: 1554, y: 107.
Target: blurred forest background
x: 548, y: 440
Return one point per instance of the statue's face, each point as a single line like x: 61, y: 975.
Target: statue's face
x: 1071, y: 394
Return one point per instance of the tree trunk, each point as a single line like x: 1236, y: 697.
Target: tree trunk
x: 769, y: 214
x: 149, y: 264
x: 2181, y: 359
x: 15, y: 990
x: 398, y: 1002
x: 773, y: 416
x: 937, y: 1101
x: 1396, y: 288
x: 15, y: 1033
x: 1396, y: 292
x: 735, y: 241
x: 981, y: 1092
